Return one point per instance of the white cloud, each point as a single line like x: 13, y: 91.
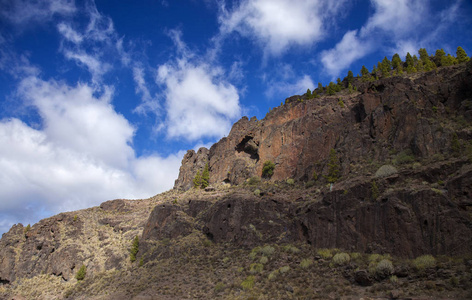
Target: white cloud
x: 25, y: 11
x: 348, y: 50
x: 283, y: 88
x: 392, y: 22
x: 279, y: 24
x: 94, y: 65
x: 399, y: 17
x: 76, y: 119
x: 199, y: 101
x: 80, y: 157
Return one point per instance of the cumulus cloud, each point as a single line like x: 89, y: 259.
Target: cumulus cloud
x: 199, y: 102
x: 278, y: 24
x: 81, y: 156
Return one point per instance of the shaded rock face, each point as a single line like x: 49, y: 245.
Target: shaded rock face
x: 407, y: 221
x: 391, y: 114
x: 191, y: 164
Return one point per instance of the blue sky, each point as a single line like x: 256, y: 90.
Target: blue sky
x: 101, y: 100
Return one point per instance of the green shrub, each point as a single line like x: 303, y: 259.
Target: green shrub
x: 27, y: 228
x: 324, y: 253
x: 268, y: 169
x: 404, y: 157
x: 284, y: 269
x: 256, y: 268
x: 424, y: 262
x: 333, y: 167
x: 134, y: 249
x: 341, y: 103
x: 455, y: 145
x: 273, y: 275
x: 315, y: 175
x: 306, y: 263
x: 264, y: 260
x: 291, y: 249
x: 268, y: 250
x: 257, y: 192
x: 341, y: 259
x: 384, y: 268
x: 254, y: 180
x: 375, y: 190
x: 385, y: 171
x: 248, y: 283
x: 290, y: 181
x: 309, y: 184
x: 220, y: 286
x: 80, y: 275
x: 394, y: 279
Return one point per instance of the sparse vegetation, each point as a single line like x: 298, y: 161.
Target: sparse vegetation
x: 341, y: 259
x: 268, y: 169
x: 424, y: 262
x: 333, y: 167
x: 80, y: 275
x: 134, y: 249
x: 385, y: 171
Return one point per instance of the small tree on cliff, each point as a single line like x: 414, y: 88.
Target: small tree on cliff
x: 461, y: 55
x: 134, y: 249
x: 268, y: 169
x: 81, y: 273
x: 197, y: 181
x: 333, y: 167
x: 205, y: 177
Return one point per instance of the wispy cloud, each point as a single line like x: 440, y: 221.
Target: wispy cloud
x: 22, y: 12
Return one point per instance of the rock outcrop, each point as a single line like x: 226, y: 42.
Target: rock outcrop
x: 386, y: 116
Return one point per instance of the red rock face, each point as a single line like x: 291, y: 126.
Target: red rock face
x: 388, y: 115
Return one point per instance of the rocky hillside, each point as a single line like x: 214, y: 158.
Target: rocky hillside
x: 370, y: 196
x: 417, y: 113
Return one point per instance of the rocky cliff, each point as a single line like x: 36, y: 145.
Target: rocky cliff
x: 403, y: 149
x: 407, y: 113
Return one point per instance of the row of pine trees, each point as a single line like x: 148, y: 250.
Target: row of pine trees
x: 395, y: 67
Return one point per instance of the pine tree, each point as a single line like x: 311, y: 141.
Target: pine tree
x: 81, y: 273
x: 320, y: 87
x: 339, y: 85
x: 134, y: 249
x: 333, y: 167
x: 350, y: 77
x: 410, y: 64
x: 197, y: 181
x: 396, y: 61
x: 461, y: 55
x: 440, y: 57
x: 205, y: 177
x: 385, y: 67
x: 331, y: 88
x: 308, y: 93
